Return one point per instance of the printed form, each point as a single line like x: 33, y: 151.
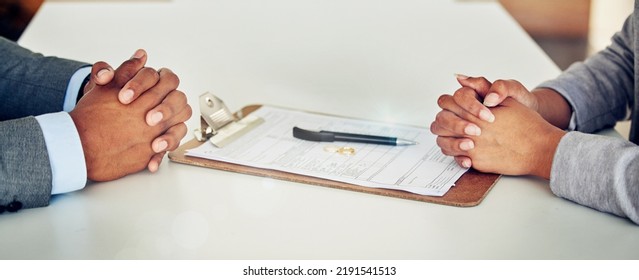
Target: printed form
x: 420, y: 168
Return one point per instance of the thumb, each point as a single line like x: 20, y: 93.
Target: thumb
x: 101, y: 74
x: 493, y: 99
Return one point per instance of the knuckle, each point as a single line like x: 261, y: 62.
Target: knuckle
x: 170, y: 77
x: 443, y: 118
x: 189, y: 113
x: 500, y: 84
x: 517, y: 83
x: 181, y: 97
x: 445, y: 143
x: 184, y: 115
x: 485, y: 82
x: 458, y: 93
x: 182, y: 130
x: 165, y: 70
x: 441, y: 101
x: 175, y: 134
x: 464, y: 95
x: 149, y: 72
x: 439, y: 117
x: 175, y: 102
x: 177, y: 80
x: 434, y: 128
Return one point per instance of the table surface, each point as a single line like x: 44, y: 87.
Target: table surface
x: 380, y: 60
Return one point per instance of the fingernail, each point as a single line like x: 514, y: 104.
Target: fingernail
x: 126, y: 96
x: 156, y: 118
x: 161, y: 146
x: 472, y: 129
x: 466, y: 163
x: 138, y: 54
x: 102, y: 72
x: 487, y: 115
x: 466, y: 145
x: 153, y: 166
x: 461, y: 76
x: 491, y: 100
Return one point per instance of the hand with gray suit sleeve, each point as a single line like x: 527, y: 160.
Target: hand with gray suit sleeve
x: 32, y: 84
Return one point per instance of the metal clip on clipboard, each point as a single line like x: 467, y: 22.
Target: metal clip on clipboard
x: 219, y: 125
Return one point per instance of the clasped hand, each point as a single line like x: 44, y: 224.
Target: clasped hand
x: 129, y: 118
x: 496, y: 127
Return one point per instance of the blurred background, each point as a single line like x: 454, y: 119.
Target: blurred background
x: 567, y: 30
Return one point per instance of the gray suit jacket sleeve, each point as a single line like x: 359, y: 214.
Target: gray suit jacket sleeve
x: 596, y: 171
x: 25, y: 175
x: 30, y: 84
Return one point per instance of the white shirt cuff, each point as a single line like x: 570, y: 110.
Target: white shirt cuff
x: 74, y: 88
x: 65, y: 152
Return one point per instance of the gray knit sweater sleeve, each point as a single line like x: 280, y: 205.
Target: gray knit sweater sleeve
x: 601, y: 90
x: 597, y: 171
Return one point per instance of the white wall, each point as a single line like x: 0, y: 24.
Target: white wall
x: 606, y: 18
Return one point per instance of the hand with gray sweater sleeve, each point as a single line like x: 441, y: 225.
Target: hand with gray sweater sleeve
x: 593, y: 170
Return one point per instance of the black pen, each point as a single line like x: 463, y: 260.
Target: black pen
x: 329, y: 136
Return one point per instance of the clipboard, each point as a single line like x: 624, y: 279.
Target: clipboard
x: 468, y: 191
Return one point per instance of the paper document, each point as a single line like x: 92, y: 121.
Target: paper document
x: 420, y: 169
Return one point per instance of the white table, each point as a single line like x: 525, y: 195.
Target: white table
x: 381, y: 60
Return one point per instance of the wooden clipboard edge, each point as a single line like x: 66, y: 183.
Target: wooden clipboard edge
x: 468, y: 191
